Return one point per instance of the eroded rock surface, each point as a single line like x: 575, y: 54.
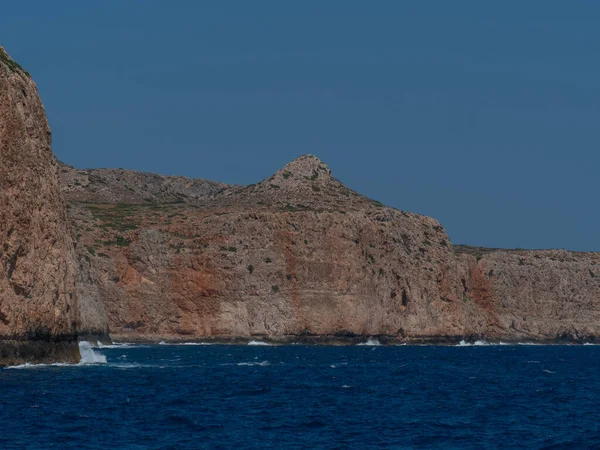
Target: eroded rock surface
x: 300, y: 257
x: 533, y: 294
x: 127, y: 186
x: 38, y: 307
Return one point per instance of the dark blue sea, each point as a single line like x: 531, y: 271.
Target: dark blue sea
x: 301, y: 397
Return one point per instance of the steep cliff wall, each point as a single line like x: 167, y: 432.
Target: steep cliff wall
x: 38, y: 309
x: 301, y: 257
x: 296, y: 256
x: 545, y: 295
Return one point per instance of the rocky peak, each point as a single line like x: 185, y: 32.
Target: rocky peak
x: 305, y: 183
x: 306, y: 168
x: 300, y: 174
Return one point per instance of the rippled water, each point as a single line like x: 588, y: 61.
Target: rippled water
x: 243, y: 397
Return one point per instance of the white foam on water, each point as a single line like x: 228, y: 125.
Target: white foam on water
x: 472, y: 344
x: 589, y: 343
x: 86, y: 351
x: 185, y: 343
x: 88, y: 355
x: 119, y: 345
x: 371, y: 342
x: 262, y: 364
x: 38, y: 366
x: 258, y: 343
x: 481, y: 343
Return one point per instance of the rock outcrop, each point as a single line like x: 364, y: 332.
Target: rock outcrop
x: 533, y: 295
x: 38, y: 307
x: 127, y: 186
x: 301, y: 257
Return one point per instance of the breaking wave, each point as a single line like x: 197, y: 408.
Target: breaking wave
x: 185, y: 343
x: 86, y: 351
x: 371, y: 342
x: 119, y: 345
x: 464, y: 343
x: 258, y: 343
x: 88, y: 355
x: 262, y: 363
x: 38, y: 366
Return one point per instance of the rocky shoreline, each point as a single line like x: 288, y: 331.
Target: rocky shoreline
x: 14, y: 352
x: 332, y: 340
x: 295, y: 258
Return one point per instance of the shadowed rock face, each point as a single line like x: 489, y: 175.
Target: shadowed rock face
x: 38, y: 308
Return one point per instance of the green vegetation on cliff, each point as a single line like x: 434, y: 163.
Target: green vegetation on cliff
x: 12, y: 64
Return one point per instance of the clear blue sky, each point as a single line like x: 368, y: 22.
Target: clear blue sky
x: 484, y: 115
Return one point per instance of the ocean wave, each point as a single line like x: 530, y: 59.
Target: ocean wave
x: 88, y: 355
x: 196, y: 343
x: 88, y: 358
x: 258, y: 343
x: 120, y: 345
x: 371, y: 342
x: 464, y: 343
x: 40, y: 366
x: 185, y: 343
x: 256, y: 363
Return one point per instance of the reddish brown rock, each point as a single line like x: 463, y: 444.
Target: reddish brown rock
x: 38, y: 309
x: 301, y: 257
x: 534, y: 295
x: 294, y: 256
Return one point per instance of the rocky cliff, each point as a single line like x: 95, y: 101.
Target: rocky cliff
x: 533, y: 295
x: 38, y: 308
x: 296, y: 257
x: 299, y: 256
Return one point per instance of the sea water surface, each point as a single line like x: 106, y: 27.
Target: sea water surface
x: 267, y: 397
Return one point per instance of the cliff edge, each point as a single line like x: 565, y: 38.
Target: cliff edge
x: 38, y: 306
x: 300, y: 257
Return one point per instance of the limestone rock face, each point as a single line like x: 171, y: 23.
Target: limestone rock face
x: 300, y: 257
x: 534, y: 294
x: 297, y: 255
x: 38, y: 307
